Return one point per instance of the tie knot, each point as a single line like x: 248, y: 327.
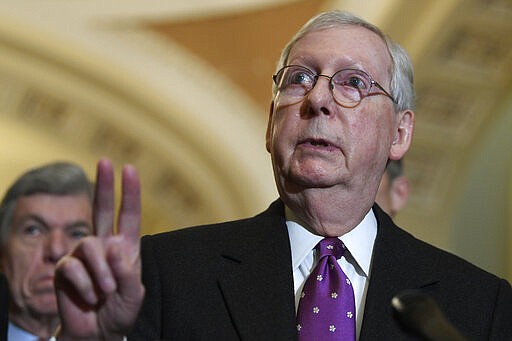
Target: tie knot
x: 331, y: 247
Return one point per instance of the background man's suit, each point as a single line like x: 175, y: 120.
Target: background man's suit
x: 4, y: 305
x: 233, y: 281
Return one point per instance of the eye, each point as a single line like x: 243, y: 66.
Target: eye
x: 296, y: 75
x: 356, y: 82
x: 353, y: 79
x: 299, y: 77
x: 32, y: 230
x: 79, y: 232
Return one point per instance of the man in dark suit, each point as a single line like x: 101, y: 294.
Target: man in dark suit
x: 342, y: 107
x: 43, y: 215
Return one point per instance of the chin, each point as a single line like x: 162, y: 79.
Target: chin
x: 316, y: 173
x: 330, y: 233
x: 314, y: 181
x: 46, y: 304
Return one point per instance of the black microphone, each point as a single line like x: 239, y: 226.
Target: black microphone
x: 419, y: 313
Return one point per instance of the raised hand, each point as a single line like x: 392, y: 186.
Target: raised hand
x: 98, y: 285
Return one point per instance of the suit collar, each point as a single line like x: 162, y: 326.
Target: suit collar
x: 258, y: 277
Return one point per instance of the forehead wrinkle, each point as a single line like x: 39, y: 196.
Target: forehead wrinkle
x: 341, y: 58
x: 308, y: 61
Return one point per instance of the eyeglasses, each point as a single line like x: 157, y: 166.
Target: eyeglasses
x: 348, y: 86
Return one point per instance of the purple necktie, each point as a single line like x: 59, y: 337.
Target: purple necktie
x: 327, y: 308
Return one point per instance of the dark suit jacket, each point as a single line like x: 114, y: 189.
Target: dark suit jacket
x: 4, y: 307
x: 233, y: 281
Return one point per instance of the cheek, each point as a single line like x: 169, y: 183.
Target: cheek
x: 370, y: 138
x: 19, y: 273
x: 284, y: 132
x: 376, y: 124
x: 364, y: 130
x: 22, y: 262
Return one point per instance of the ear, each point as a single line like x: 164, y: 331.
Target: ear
x: 268, y: 135
x: 399, y: 193
x: 403, y: 135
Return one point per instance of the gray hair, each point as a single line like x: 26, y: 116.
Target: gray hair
x: 402, y: 84
x: 57, y: 178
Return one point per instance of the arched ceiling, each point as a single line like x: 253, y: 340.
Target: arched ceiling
x: 182, y: 89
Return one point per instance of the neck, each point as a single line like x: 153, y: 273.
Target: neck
x: 327, y: 212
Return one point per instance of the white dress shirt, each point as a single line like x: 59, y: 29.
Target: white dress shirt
x: 15, y: 333
x: 355, y: 263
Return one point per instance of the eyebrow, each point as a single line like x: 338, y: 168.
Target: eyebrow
x: 79, y: 223
x: 42, y: 221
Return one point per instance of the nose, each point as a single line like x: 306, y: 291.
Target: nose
x: 56, y: 246
x: 320, y: 98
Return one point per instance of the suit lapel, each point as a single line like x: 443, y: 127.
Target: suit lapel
x: 397, y: 265
x: 257, y: 277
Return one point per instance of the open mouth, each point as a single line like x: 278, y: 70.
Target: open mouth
x: 318, y: 143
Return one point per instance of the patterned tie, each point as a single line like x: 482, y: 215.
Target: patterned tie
x: 327, y: 307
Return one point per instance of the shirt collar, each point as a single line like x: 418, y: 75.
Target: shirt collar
x: 359, y: 241
x: 16, y: 333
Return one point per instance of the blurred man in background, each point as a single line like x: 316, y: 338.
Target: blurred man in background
x: 42, y: 217
x: 393, y: 190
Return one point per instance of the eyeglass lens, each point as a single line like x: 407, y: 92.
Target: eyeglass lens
x: 348, y: 86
